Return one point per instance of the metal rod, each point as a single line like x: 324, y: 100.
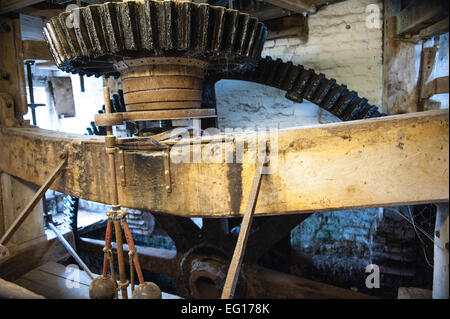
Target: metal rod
x: 239, y: 251
x: 37, y: 197
x: 30, y: 89
x: 71, y: 250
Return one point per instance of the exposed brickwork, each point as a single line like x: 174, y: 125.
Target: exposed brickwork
x: 340, y: 45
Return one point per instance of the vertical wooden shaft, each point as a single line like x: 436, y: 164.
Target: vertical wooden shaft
x: 110, y: 142
x: 120, y: 260
x: 108, y: 110
x: 239, y: 250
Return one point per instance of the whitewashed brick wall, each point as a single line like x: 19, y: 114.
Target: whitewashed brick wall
x: 340, y: 45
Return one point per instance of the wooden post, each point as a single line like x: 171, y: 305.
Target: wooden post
x: 440, y: 275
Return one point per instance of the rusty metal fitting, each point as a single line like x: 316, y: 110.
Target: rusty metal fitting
x: 116, y: 213
x: 121, y: 285
x: 107, y: 250
x: 132, y: 253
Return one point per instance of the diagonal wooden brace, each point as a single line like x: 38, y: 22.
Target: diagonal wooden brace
x: 36, y: 198
x: 239, y: 250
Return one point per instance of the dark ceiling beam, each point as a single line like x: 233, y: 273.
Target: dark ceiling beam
x: 12, y: 5
x: 421, y: 14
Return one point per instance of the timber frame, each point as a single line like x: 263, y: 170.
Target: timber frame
x: 395, y: 160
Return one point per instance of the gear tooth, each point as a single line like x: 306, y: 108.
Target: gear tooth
x: 249, y: 36
x: 110, y: 28
x: 282, y: 74
x: 51, y: 45
x: 263, y: 68
x: 217, y: 23
x: 296, y: 93
x: 200, y: 27
x: 161, y: 23
x: 56, y: 42
x: 145, y: 25
x: 92, y: 21
x: 324, y: 88
x: 332, y: 97
x: 69, y: 54
x: 81, y: 33
x: 314, y: 83
x: 259, y: 48
x: 343, y: 103
x: 273, y: 72
x: 69, y: 34
x: 168, y: 8
x: 126, y: 16
x: 292, y: 74
x: 230, y: 28
x: 254, y: 43
x: 354, y: 108
x: 183, y: 12
x: 363, y: 110
x: 244, y: 21
x: 372, y: 111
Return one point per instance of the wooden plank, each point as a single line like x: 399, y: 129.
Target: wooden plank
x: 299, y: 6
x: 36, y: 50
x: 436, y: 29
x: 436, y: 86
x: 420, y: 14
x: 60, y: 270
x: 31, y: 256
x: 12, y: 5
x: 12, y: 80
x: 17, y: 195
x: 395, y: 160
x: 9, y: 290
x: 52, y: 286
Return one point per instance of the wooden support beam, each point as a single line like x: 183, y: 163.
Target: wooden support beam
x: 12, y: 79
x: 419, y: 15
x: 9, y: 290
x: 12, y: 5
x: 299, y: 6
x: 36, y: 50
x: 394, y: 160
x: 436, y: 86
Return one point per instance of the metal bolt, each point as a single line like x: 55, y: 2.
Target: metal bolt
x: 438, y: 234
x: 167, y: 187
x: 166, y: 172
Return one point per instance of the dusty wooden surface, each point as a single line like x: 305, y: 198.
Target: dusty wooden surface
x: 12, y: 79
x: 8, y: 290
x: 401, y: 88
x: 395, y: 160
x: 17, y: 195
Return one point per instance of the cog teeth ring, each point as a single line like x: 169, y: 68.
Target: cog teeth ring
x: 301, y: 83
x: 89, y: 40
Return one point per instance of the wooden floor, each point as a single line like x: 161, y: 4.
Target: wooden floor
x: 55, y: 281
